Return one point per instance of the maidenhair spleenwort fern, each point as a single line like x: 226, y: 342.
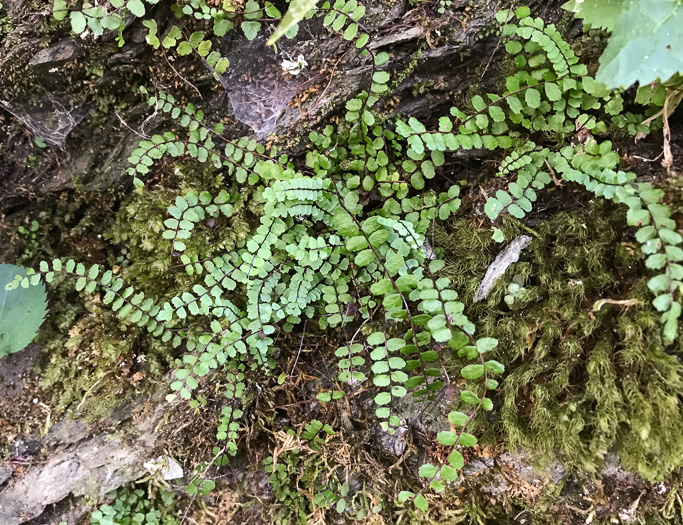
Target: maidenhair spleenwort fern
x: 552, y: 93
x: 344, y: 237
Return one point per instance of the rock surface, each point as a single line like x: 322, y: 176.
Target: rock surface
x: 81, y: 460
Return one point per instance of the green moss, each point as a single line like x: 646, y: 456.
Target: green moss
x: 579, y: 382
x: 97, y: 364
x: 140, y: 223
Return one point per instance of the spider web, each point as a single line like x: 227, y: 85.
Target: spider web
x: 257, y: 86
x: 51, y: 119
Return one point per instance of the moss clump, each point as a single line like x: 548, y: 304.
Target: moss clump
x: 140, y: 224
x: 584, y: 377
x: 96, y: 364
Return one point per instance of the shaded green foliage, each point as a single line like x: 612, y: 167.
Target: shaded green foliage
x: 551, y: 93
x: 646, y: 43
x: 134, y: 507
x: 345, y: 236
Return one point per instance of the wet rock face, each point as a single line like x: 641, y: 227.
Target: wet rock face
x: 57, y: 54
x: 14, y: 369
x: 80, y: 464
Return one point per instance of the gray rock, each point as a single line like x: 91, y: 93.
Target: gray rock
x: 67, y: 432
x: 5, y: 473
x: 521, y: 461
x: 90, y: 466
x: 499, y: 486
x: 26, y: 447
x: 57, y: 54
x: 477, y: 466
x: 393, y: 444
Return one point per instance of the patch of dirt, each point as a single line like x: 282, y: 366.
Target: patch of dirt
x: 24, y: 407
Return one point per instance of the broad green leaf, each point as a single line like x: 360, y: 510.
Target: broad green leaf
x: 350, y: 33
x: 222, y: 65
x: 382, y: 287
x: 381, y: 58
x: 513, y: 47
x: 436, y: 485
x: 478, y: 103
x: 646, y: 44
x: 497, y: 114
x: 295, y: 14
x: 221, y: 27
x: 662, y: 302
x: 448, y: 473
x: 378, y: 237
x: 184, y: 48
x: 22, y: 311
x: 381, y: 77
x: 598, y: 13
x: 376, y: 338
x: 204, y: 47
